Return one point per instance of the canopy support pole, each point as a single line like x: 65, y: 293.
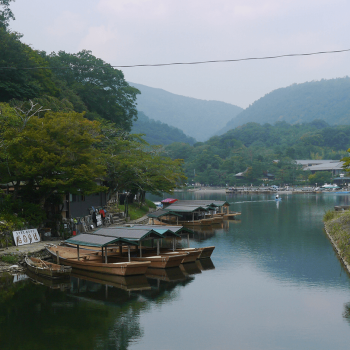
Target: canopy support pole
x: 140, y: 247
x: 78, y: 252
x: 188, y: 240
x: 157, y: 246
x: 173, y: 243
x: 192, y: 216
x: 129, y: 253
x: 106, y: 255
x: 120, y: 249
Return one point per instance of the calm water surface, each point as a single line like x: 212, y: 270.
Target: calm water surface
x: 274, y: 282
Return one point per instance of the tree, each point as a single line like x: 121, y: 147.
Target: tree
x: 18, y: 79
x: 5, y: 13
x: 320, y: 178
x: 136, y: 167
x: 102, y: 88
x: 55, y: 153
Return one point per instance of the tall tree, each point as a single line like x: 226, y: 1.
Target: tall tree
x: 102, y: 88
x: 55, y: 153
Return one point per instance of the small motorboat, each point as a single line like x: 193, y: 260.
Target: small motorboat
x: 47, y: 269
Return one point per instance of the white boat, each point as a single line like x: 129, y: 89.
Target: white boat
x: 329, y: 186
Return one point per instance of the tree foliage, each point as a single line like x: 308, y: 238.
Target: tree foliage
x: 100, y: 87
x: 254, y: 147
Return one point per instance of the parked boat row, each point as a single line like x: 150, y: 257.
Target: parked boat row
x: 191, y: 213
x: 121, y: 250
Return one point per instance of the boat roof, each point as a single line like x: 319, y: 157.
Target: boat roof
x: 130, y: 233
x: 159, y: 213
x: 201, y: 202
x: 93, y: 240
x: 160, y: 229
x: 185, y: 208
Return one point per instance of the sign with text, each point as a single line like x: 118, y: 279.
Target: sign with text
x: 26, y: 237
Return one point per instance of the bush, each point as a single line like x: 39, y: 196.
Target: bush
x: 330, y: 215
x: 150, y: 204
x: 10, y: 259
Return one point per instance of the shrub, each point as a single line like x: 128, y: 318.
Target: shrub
x: 10, y: 259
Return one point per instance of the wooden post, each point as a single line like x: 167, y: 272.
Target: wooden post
x: 157, y: 246
x: 120, y: 249
x: 177, y: 220
x: 173, y: 243
x: 57, y: 258
x: 106, y: 257
x: 129, y: 252
x: 78, y: 252
x: 188, y: 240
x: 140, y: 247
x: 192, y: 216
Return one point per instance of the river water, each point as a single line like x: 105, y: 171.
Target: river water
x: 274, y: 282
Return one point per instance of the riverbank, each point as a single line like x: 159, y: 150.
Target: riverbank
x: 12, y: 258
x: 337, y: 227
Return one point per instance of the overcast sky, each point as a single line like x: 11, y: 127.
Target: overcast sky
x: 126, y: 32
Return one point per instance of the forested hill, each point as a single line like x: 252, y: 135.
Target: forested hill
x: 328, y: 100
x: 158, y: 133
x: 256, y: 147
x: 197, y: 118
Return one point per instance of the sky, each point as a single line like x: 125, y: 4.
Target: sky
x: 127, y: 32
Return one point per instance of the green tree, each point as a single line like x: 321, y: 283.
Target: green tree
x: 55, y: 153
x: 320, y: 178
x: 101, y: 88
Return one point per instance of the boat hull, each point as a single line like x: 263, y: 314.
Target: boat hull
x: 206, y: 252
x: 47, y: 269
x: 92, y: 262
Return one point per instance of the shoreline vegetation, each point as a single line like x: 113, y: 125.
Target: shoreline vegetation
x: 337, y: 227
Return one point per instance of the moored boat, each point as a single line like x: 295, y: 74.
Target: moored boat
x: 206, y: 252
x: 93, y: 261
x: 47, y: 269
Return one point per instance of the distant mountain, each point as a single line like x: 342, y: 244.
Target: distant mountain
x: 328, y: 100
x: 197, y: 118
x: 157, y: 133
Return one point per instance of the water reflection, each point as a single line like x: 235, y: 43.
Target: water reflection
x: 88, y: 311
x: 276, y: 283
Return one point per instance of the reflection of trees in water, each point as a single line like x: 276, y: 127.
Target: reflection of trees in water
x: 36, y: 317
x: 346, y: 313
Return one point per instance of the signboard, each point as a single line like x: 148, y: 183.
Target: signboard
x: 99, y: 220
x: 26, y: 237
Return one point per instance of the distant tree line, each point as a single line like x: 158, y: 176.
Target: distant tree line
x: 258, y: 150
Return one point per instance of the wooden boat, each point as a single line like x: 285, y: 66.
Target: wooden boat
x: 206, y: 252
x: 190, y: 254
x: 157, y: 261
x: 47, y: 269
x: 93, y: 261
x: 231, y: 216
x: 162, y: 261
x: 201, y: 222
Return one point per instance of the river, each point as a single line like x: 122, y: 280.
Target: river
x: 274, y: 282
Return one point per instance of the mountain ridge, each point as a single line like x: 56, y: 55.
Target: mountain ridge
x: 327, y: 100
x: 195, y: 117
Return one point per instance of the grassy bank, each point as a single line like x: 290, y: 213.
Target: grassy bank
x: 337, y: 224
x: 135, y: 211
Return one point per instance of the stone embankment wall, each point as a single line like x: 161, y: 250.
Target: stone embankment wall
x: 338, y: 231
